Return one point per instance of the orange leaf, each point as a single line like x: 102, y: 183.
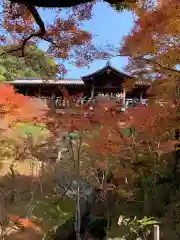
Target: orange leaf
x: 22, y: 221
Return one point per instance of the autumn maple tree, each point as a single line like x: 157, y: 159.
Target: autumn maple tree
x: 131, y: 145
x: 65, y: 38
x: 30, y: 6
x: 16, y: 107
x: 153, y: 47
x: 153, y: 44
x: 18, y: 113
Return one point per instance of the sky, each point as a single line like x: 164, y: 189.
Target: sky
x: 107, y: 27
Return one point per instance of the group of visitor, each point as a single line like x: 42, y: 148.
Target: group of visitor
x: 135, y: 101
x: 118, y: 97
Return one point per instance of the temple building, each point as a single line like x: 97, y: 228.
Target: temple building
x: 106, y: 81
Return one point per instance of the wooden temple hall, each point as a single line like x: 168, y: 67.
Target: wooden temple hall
x: 106, y: 82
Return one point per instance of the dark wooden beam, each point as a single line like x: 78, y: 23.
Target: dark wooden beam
x: 59, y: 3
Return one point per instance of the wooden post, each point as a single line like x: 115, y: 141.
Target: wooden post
x: 39, y: 91
x: 141, y: 97
x: 26, y: 89
x: 92, y: 92
x: 124, y: 97
x: 53, y: 96
x: 156, y: 232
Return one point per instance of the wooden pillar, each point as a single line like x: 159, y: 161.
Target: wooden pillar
x: 26, y: 89
x: 92, y: 91
x: 124, y: 97
x: 39, y: 91
x: 53, y: 97
x: 141, y: 97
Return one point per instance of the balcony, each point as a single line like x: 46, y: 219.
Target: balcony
x: 65, y: 104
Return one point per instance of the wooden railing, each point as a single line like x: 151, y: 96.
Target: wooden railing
x: 66, y: 103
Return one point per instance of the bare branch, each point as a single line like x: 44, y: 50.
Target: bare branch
x: 153, y: 62
x: 158, y: 64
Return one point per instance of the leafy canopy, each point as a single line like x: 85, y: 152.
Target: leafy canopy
x: 154, y: 41
x: 64, y: 35
x: 15, y: 107
x: 35, y: 63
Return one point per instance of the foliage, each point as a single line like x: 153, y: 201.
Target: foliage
x: 64, y: 36
x: 18, y: 130
x: 33, y: 174
x: 16, y: 107
x: 25, y: 130
x: 48, y: 214
x: 156, y: 32
x: 136, y: 229
x: 125, y: 5
x: 117, y: 152
x: 17, y: 116
x: 128, y: 154
x: 28, y: 188
x: 30, y: 10
x: 97, y: 226
x: 35, y: 64
x: 132, y: 150
x: 111, y: 146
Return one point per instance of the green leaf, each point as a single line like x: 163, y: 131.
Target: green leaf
x: 35, y: 64
x: 127, y: 132
x: 74, y: 135
x: 151, y: 223
x: 36, y: 131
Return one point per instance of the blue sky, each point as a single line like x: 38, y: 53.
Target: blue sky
x: 108, y: 27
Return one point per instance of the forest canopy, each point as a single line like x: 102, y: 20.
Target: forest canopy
x: 36, y: 63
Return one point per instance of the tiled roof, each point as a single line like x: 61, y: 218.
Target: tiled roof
x: 36, y: 81
x: 50, y: 81
x: 102, y: 70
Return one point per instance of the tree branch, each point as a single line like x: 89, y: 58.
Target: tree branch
x: 40, y: 33
x: 158, y: 64
x: 40, y: 23
x: 31, y: 6
x: 151, y: 61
